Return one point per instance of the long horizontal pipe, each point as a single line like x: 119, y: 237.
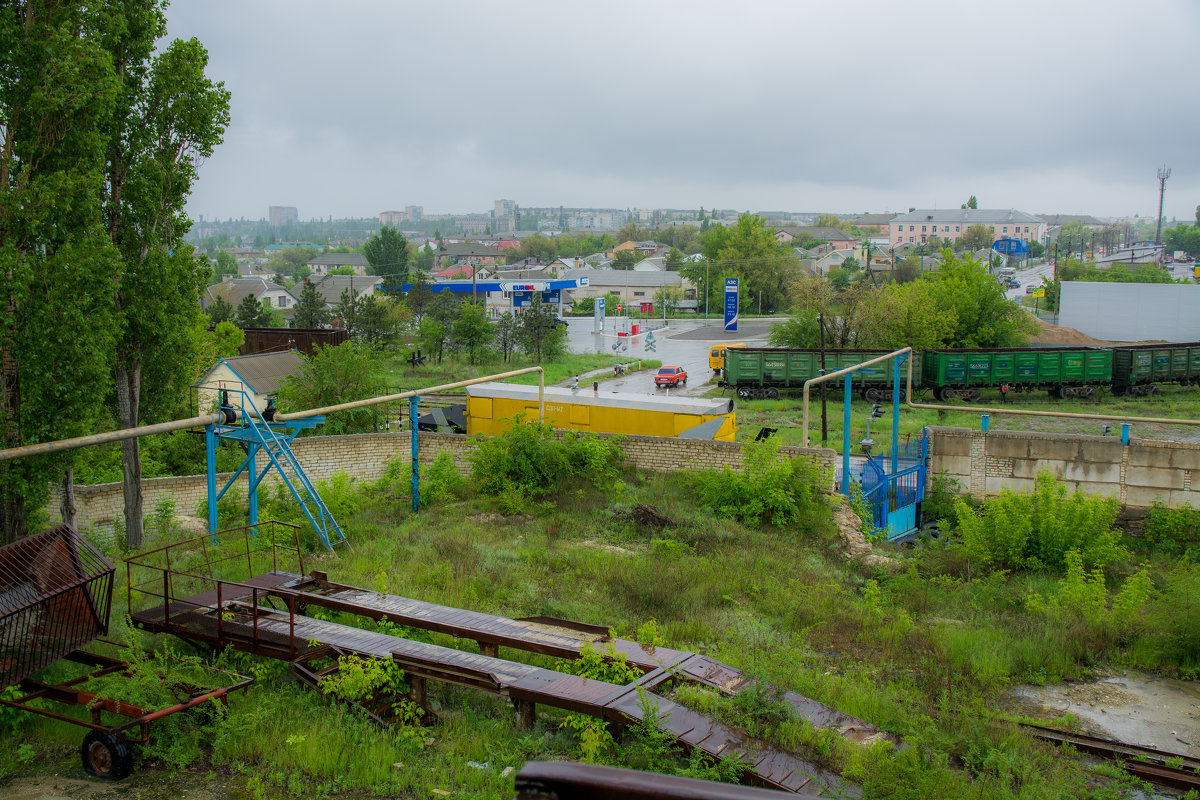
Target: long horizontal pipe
x: 370, y: 401
x: 45, y: 448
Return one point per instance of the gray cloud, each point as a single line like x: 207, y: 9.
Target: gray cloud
x: 352, y: 108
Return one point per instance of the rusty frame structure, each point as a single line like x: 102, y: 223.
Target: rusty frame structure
x: 55, y: 598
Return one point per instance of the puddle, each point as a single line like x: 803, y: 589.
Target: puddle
x: 1131, y: 707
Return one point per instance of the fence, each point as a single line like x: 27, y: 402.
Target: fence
x: 892, y: 500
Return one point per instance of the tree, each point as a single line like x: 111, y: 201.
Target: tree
x: 971, y: 202
x: 310, y: 310
x: 168, y: 117
x: 833, y: 221
x: 219, y: 311
x: 335, y: 375
x: 625, y: 259
x: 838, y: 278
x: 387, y: 256
x: 540, y: 336
x: 347, y: 310
x: 750, y: 251
x: 226, y: 264
x: 977, y: 237
x: 668, y: 299
x: 251, y: 314
x: 437, y: 326
x: 379, y: 320
x: 983, y: 316
x: 506, y: 334
x: 57, y: 266
x: 424, y: 259
x: 472, y: 330
x: 292, y: 262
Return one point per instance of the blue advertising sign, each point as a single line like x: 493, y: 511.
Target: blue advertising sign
x: 522, y: 299
x: 598, y: 314
x: 554, y: 296
x: 731, y: 304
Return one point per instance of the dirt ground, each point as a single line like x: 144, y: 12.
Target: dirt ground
x: 1054, y: 334
x: 1130, y: 707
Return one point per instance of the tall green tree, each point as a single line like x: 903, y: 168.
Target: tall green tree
x: 219, y: 311
x: 347, y: 310
x: 168, y: 117
x: 749, y: 251
x: 251, y: 314
x: 387, y: 256
x: 473, y: 331
x: 57, y: 266
x: 540, y: 336
x: 971, y: 202
x: 310, y: 310
x: 982, y: 315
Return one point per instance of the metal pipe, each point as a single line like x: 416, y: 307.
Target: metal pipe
x: 44, y: 448
x: 847, y: 371
x: 370, y: 401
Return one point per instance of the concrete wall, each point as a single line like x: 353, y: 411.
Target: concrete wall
x: 365, y: 457
x: 1132, y: 312
x: 986, y: 462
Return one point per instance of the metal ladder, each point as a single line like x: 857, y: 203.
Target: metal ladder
x: 285, y: 463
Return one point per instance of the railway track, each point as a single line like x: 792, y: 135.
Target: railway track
x: 1156, y: 766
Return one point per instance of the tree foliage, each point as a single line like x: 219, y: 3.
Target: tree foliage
x: 750, y: 252
x: 387, y: 256
x: 220, y: 310
x: 539, y: 335
x: 310, y: 310
x: 977, y: 237
x: 472, y: 332
x: 335, y: 375
x: 57, y: 265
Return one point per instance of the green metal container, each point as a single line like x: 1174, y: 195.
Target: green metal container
x: 1018, y: 367
x: 789, y: 368
x: 1140, y: 365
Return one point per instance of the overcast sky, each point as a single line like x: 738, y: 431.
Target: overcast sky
x: 351, y: 108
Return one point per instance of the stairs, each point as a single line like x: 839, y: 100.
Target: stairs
x: 279, y: 452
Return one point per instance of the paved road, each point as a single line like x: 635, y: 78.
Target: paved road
x: 683, y: 343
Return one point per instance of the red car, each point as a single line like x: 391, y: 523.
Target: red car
x: 670, y: 377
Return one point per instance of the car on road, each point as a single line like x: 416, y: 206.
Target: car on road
x: 1014, y: 284
x: 669, y: 377
x: 1029, y: 289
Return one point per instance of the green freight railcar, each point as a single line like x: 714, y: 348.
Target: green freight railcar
x: 764, y: 371
x: 1139, y: 369
x: 1062, y: 371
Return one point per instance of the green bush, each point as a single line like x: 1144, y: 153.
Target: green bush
x: 1173, y: 530
x: 528, y: 459
x: 771, y: 488
x: 442, y: 483
x: 1036, y: 530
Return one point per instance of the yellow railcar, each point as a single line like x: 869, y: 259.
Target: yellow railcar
x: 491, y: 406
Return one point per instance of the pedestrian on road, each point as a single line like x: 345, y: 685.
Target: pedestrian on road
x: 575, y: 384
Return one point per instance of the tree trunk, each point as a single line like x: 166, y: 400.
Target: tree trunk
x: 12, y: 518
x: 129, y: 379
x: 66, y: 503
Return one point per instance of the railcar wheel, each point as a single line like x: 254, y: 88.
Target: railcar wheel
x: 772, y: 393
x: 106, y: 755
x: 873, y: 395
x: 943, y: 393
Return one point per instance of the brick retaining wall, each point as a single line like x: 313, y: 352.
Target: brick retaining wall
x: 365, y: 457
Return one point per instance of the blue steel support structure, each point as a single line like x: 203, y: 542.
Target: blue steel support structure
x: 416, y: 472
x: 898, y: 361
x: 846, y: 436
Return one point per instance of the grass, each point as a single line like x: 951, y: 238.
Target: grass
x: 926, y: 653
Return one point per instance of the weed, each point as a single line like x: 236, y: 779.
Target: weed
x: 1029, y: 531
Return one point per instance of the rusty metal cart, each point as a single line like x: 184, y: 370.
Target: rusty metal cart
x: 55, y: 597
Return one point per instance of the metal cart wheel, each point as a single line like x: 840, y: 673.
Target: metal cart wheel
x: 106, y: 755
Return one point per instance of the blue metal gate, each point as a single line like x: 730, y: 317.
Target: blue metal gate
x: 892, y: 500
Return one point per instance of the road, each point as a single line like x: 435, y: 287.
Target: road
x: 1033, y: 276
x: 683, y: 343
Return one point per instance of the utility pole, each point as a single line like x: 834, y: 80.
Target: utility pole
x: 1164, y: 172
x: 824, y: 426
